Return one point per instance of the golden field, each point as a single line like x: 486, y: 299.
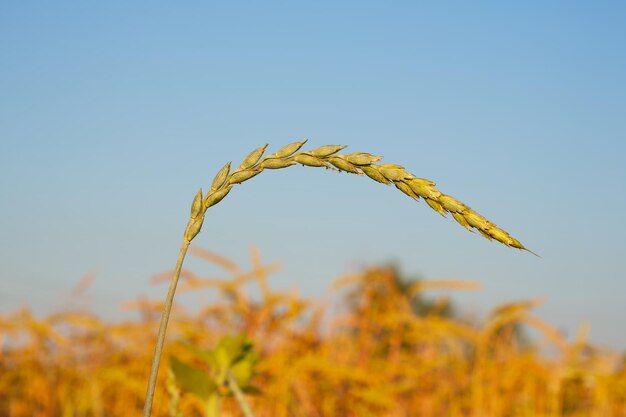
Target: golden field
x: 389, y: 349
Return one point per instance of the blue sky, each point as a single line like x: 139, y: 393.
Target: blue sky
x: 112, y: 115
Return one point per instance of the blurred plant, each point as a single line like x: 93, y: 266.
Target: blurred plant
x: 230, y: 370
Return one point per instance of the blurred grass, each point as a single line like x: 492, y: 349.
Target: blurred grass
x: 391, y: 351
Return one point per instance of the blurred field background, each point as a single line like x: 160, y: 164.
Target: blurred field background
x: 113, y: 114
x: 389, y: 348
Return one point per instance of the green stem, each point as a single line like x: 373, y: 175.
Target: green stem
x: 241, y: 399
x: 213, y: 405
x: 158, y: 348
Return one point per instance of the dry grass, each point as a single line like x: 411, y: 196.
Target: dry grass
x: 376, y: 357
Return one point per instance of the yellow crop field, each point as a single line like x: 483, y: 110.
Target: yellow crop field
x: 387, y: 348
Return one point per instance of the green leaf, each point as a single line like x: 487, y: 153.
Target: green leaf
x: 205, y: 355
x: 191, y: 379
x: 229, y: 349
x: 243, y: 369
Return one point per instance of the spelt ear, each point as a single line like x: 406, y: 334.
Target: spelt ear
x: 361, y: 163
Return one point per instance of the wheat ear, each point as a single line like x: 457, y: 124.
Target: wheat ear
x: 359, y: 163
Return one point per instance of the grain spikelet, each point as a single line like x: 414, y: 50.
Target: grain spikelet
x: 340, y: 163
x: 276, y: 163
x: 215, y: 197
x: 395, y: 172
x: 220, y: 177
x: 326, y: 150
x: 194, y: 228
x: 406, y: 189
x: 196, y: 205
x: 362, y: 158
x: 373, y: 172
x: 240, y: 176
x: 451, y: 205
x: 252, y: 158
x: 461, y: 220
x: 290, y: 149
x: 476, y: 220
x: 309, y: 160
x: 434, y: 204
x: 424, y: 188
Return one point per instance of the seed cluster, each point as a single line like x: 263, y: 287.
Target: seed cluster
x: 360, y: 163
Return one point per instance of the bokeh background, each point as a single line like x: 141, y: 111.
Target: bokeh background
x: 112, y: 115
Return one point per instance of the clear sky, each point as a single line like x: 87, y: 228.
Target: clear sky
x: 113, y: 114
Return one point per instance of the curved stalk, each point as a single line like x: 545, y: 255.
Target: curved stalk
x: 158, y: 349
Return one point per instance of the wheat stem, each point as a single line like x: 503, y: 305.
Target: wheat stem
x: 158, y: 348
